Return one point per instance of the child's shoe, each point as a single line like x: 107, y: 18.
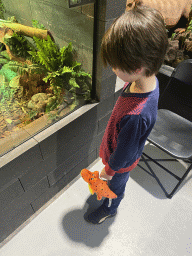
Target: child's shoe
x: 98, y: 216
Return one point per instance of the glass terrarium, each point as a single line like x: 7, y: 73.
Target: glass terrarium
x: 45, y: 66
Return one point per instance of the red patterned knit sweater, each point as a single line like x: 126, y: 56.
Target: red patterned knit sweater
x: 131, y: 122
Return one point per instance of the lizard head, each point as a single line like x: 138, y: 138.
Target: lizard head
x: 89, y: 177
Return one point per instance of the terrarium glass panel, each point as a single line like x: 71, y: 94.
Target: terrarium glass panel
x: 46, y: 56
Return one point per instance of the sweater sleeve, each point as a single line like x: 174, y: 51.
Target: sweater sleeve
x: 131, y: 129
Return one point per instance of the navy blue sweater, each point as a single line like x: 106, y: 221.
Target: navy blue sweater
x: 131, y: 122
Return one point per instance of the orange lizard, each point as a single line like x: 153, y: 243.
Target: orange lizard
x: 96, y: 185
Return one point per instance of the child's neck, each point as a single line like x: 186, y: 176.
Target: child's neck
x: 143, y: 85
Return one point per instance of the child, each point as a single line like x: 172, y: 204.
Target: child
x: 134, y: 46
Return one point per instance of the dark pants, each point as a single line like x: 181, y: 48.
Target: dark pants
x: 117, y: 185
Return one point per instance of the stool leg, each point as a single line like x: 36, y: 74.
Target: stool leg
x: 157, y: 179
x: 184, y: 176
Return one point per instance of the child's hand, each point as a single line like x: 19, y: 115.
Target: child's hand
x: 104, y: 175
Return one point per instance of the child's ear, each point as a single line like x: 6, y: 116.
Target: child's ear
x: 138, y: 71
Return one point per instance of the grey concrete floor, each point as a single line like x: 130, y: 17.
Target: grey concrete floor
x: 147, y: 223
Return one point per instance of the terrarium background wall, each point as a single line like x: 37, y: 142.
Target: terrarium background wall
x: 66, y: 25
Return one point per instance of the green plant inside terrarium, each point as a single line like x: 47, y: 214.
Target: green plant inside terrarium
x: 61, y: 71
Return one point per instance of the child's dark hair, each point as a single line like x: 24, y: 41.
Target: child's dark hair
x: 138, y: 38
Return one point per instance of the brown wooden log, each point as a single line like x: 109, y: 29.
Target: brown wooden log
x: 25, y: 30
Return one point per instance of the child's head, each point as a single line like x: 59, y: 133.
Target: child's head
x: 138, y: 38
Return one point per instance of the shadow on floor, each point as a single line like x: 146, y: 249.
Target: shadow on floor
x: 80, y: 231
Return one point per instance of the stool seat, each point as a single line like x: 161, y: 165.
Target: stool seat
x: 172, y: 133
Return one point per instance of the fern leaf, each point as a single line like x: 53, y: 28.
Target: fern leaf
x: 38, y: 43
x: 34, y: 55
x: 73, y: 83
x: 48, y: 54
x: 36, y: 24
x: 67, y: 70
x: 3, y: 61
x: 85, y: 74
x: 8, y: 73
x: 51, y: 75
x: 76, y: 64
x: 5, y: 54
x: 62, y: 55
x: 70, y: 48
x: 67, y: 58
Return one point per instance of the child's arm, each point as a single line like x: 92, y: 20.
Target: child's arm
x: 132, y: 127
